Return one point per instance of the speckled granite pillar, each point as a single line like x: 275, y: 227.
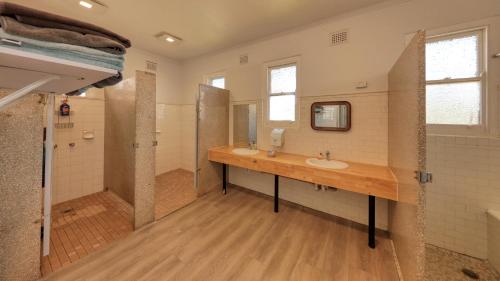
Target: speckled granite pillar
x: 407, y: 143
x: 213, y: 131
x: 21, y: 140
x: 119, y: 135
x: 145, y: 122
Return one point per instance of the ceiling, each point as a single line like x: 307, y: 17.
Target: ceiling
x: 205, y: 26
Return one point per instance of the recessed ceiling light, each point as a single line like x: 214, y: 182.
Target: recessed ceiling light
x: 86, y: 4
x: 166, y: 37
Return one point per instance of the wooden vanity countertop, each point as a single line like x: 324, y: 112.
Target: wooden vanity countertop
x: 366, y: 179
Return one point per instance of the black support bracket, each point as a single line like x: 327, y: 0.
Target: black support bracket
x: 371, y: 221
x: 276, y: 193
x: 224, y: 179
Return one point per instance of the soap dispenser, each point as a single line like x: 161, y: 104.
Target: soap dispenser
x: 277, y: 139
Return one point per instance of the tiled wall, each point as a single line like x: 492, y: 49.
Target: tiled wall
x: 466, y: 174
x: 366, y: 143
x: 168, y: 135
x: 188, y: 136
x: 78, y: 170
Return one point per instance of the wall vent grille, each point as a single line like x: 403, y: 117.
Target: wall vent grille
x: 151, y: 66
x: 339, y: 37
x: 243, y: 59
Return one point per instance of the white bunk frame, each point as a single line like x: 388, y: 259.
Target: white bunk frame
x: 51, y: 75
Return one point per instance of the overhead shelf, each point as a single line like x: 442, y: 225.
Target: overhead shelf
x: 20, y: 68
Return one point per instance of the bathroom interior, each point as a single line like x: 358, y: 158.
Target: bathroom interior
x: 239, y: 140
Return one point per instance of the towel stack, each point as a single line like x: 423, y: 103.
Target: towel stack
x: 57, y: 36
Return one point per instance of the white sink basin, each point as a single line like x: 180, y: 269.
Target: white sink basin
x: 245, y: 151
x: 327, y: 164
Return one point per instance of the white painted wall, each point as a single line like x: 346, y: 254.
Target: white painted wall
x: 377, y: 37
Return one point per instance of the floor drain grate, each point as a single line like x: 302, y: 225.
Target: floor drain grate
x: 470, y: 273
x: 67, y: 211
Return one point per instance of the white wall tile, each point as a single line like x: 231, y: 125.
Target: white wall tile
x: 78, y: 171
x: 466, y: 184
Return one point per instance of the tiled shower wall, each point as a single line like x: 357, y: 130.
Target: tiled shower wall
x: 466, y: 183
x: 78, y: 170
x: 168, y: 135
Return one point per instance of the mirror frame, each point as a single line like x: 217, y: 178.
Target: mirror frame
x: 346, y: 103
x: 231, y: 122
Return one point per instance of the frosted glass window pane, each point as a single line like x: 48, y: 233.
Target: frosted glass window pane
x: 453, y: 58
x: 283, y: 80
x: 218, y: 82
x: 455, y: 104
x: 282, y: 108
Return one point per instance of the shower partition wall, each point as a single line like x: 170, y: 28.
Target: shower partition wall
x: 21, y: 130
x: 129, y: 162
x: 119, y: 137
x: 407, y: 140
x: 212, y: 130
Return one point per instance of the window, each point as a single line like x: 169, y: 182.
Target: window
x: 282, y: 87
x: 455, y: 86
x: 218, y: 81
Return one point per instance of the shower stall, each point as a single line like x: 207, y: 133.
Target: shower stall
x: 102, y: 169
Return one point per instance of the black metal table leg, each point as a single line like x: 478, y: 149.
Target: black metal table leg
x: 276, y: 193
x: 224, y: 179
x: 371, y: 221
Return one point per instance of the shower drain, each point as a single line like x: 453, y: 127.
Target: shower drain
x: 470, y: 273
x: 67, y: 210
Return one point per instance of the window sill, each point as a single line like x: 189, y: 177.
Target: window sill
x: 457, y: 130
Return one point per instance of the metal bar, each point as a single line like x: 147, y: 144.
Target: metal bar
x: 455, y: 80
x: 49, y: 151
x: 276, y: 193
x: 224, y: 179
x: 282, y: 94
x: 26, y: 90
x: 371, y: 221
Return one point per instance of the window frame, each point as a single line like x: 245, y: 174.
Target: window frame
x: 210, y: 77
x: 268, y: 66
x: 458, y: 129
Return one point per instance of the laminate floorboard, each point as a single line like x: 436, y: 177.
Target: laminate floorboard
x: 239, y: 237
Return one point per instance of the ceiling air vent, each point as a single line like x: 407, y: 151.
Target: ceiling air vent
x: 339, y: 37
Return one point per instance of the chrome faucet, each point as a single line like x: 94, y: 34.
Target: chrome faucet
x: 325, y: 154
x: 252, y: 145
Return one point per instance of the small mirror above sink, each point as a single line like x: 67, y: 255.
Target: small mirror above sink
x: 245, y: 125
x: 245, y: 151
x: 327, y: 164
x: 331, y: 116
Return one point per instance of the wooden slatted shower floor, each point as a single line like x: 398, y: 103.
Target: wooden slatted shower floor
x: 84, y: 225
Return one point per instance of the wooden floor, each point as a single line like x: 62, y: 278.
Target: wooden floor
x: 173, y: 190
x: 83, y: 226
x: 238, y: 237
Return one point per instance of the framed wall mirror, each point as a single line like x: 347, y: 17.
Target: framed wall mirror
x: 245, y: 125
x: 331, y: 116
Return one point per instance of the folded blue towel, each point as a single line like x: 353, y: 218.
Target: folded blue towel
x: 64, y: 51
